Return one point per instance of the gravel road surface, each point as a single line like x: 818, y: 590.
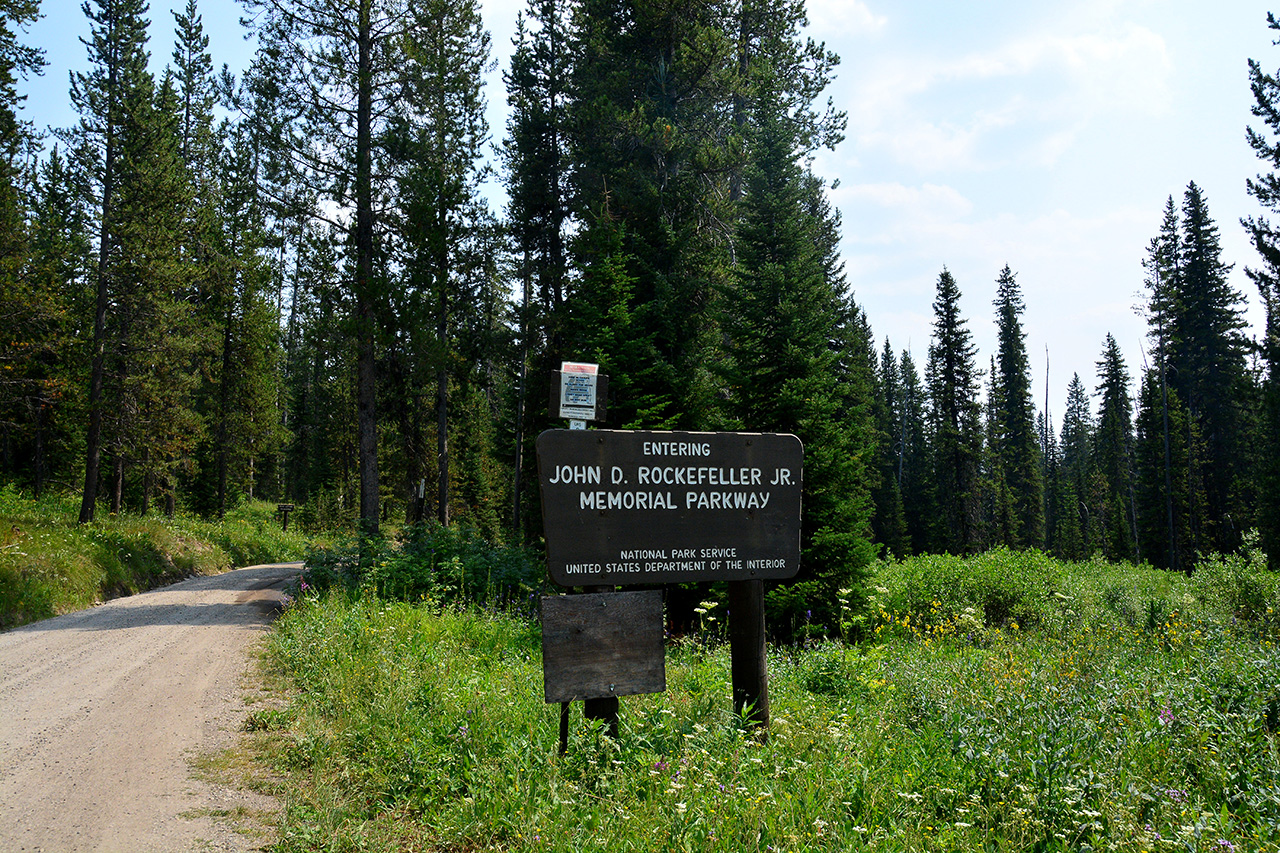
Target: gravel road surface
x: 101, y: 712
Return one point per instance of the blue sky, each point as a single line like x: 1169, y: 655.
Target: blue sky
x: 1045, y: 136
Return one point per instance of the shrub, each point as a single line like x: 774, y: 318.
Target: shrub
x: 1239, y: 585
x: 430, y: 561
x: 1002, y: 586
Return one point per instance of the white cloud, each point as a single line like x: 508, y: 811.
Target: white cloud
x: 835, y: 18
x: 1023, y: 101
x: 926, y: 202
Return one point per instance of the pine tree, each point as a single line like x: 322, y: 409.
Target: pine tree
x: 1163, y: 269
x: 1196, y: 319
x: 1209, y: 362
x: 889, y: 521
x: 955, y: 427
x: 651, y: 153
x: 441, y: 132
x: 912, y: 466
x: 341, y: 69
x: 103, y: 97
x: 1265, y: 187
x: 1113, y: 456
x: 1014, y: 436
x: 1077, y: 520
x: 248, y: 427
x: 28, y: 311
x: 150, y: 374
x: 998, y: 517
x: 784, y: 375
x: 535, y: 157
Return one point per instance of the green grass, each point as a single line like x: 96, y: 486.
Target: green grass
x: 49, y: 564
x: 1114, y: 707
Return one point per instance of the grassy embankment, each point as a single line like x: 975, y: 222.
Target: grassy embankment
x: 1009, y: 702
x: 49, y: 564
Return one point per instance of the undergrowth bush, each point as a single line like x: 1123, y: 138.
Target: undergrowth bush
x: 430, y: 561
x: 1239, y: 586
x: 994, y: 589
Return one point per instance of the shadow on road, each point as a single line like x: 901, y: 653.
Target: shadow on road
x: 255, y: 593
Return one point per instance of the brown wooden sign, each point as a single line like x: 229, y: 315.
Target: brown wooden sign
x: 602, y: 645
x: 632, y: 507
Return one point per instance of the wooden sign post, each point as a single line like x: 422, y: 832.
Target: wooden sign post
x: 598, y: 647
x: 636, y: 507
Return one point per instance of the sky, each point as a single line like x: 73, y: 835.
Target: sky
x: 1044, y: 136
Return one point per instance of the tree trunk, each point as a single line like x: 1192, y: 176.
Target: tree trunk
x: 93, y: 437
x: 442, y: 442
x: 117, y: 484
x: 366, y: 373
x: 224, y: 405
x: 442, y: 379
x: 520, y: 392
x: 41, y: 463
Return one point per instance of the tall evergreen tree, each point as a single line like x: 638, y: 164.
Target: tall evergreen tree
x: 341, y: 68
x: 784, y: 375
x: 103, y: 96
x: 889, y: 521
x: 1077, y: 532
x: 1210, y: 372
x: 1113, y: 456
x: 442, y: 130
x: 535, y: 156
x: 1014, y: 436
x: 150, y: 374
x: 912, y: 466
x: 650, y: 157
x: 955, y: 426
x: 1195, y: 316
x: 1265, y: 188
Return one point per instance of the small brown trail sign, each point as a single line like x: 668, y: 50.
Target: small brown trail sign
x: 634, y: 507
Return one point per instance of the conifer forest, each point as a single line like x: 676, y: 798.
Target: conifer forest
x: 288, y: 284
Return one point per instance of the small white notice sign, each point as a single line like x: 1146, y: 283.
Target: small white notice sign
x: 578, y: 390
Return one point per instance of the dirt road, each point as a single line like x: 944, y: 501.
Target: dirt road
x: 101, y: 712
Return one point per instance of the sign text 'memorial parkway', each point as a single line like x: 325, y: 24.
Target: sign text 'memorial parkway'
x: 625, y: 507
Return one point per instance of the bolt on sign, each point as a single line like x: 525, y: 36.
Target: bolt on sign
x: 631, y: 507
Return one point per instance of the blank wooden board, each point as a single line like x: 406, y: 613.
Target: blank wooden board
x: 602, y: 644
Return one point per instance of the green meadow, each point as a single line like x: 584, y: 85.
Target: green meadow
x: 1004, y: 702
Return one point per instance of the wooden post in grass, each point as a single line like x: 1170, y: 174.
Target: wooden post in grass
x: 748, y: 667
x: 605, y: 709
